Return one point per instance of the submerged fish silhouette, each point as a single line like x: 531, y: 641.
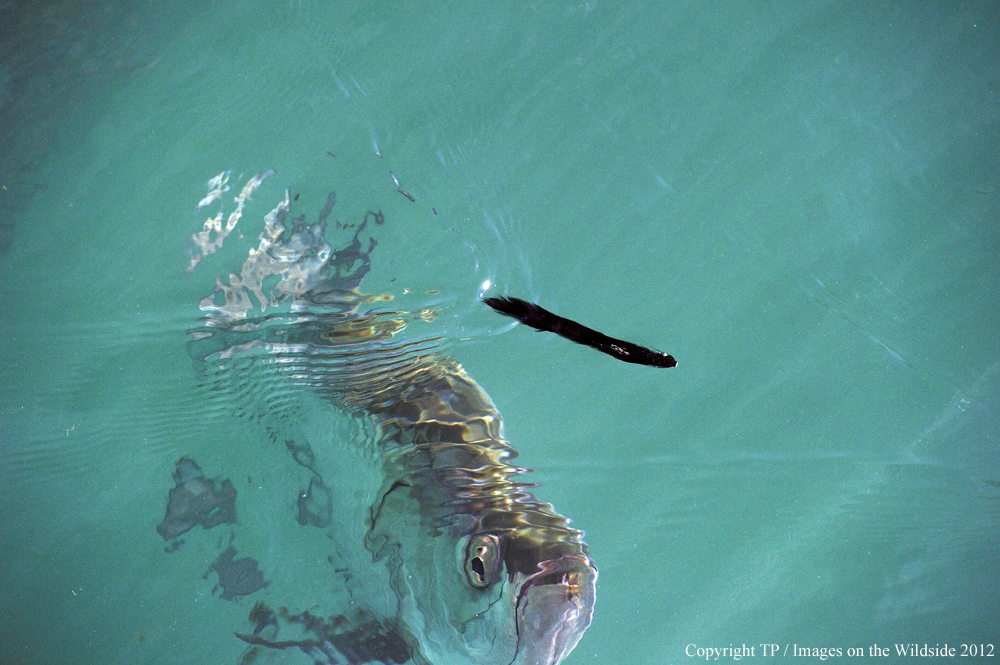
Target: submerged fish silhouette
x: 467, y: 565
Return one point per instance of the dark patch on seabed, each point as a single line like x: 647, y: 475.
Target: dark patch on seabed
x: 209, y: 502
x: 361, y: 638
x: 196, y: 500
x: 237, y: 577
x: 52, y: 51
x: 315, y: 504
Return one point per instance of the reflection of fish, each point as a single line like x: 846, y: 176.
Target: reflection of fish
x: 216, y: 188
x: 213, y: 195
x: 209, y: 240
x: 478, y: 570
x: 218, y: 181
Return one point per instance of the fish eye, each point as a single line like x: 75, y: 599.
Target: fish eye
x: 482, y: 557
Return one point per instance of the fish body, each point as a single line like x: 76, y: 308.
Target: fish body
x: 458, y: 562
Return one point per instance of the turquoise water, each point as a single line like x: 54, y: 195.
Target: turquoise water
x: 800, y: 202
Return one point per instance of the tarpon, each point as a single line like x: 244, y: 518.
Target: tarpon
x: 476, y: 569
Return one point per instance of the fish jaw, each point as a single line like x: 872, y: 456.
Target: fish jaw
x: 554, y: 608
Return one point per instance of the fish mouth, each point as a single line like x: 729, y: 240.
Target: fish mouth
x: 554, y: 608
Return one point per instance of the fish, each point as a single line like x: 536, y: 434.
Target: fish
x: 543, y: 320
x: 331, y: 200
x: 454, y: 559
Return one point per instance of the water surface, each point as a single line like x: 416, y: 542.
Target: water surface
x: 798, y: 201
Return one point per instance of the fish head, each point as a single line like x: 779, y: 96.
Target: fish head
x: 499, y: 583
x: 553, y: 609
x: 536, y: 609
